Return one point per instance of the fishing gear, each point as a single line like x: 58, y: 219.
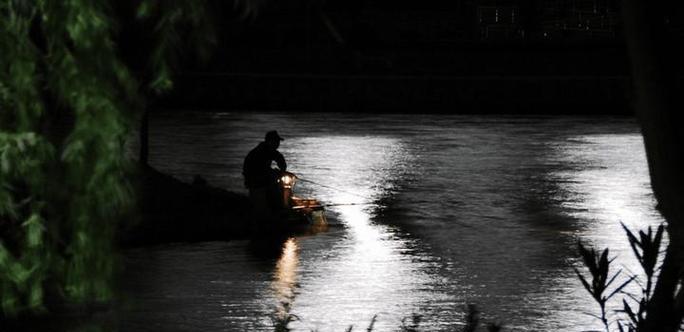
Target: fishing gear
x: 340, y: 190
x: 349, y: 204
x: 330, y: 187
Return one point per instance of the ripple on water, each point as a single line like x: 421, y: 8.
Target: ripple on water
x: 465, y: 209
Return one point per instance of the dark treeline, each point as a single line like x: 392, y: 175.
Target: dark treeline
x: 521, y: 56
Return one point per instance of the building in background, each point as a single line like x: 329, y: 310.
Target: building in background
x: 580, y: 20
x: 499, y: 20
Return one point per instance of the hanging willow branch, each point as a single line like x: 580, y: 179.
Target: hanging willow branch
x: 63, y: 196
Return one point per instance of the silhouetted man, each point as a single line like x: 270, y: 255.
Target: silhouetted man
x: 261, y: 179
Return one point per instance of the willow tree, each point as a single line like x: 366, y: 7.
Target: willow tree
x: 68, y: 101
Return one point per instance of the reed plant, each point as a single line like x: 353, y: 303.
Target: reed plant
x: 600, y: 281
x: 472, y: 322
x: 413, y: 326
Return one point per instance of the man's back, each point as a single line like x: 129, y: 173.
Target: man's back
x: 257, y: 166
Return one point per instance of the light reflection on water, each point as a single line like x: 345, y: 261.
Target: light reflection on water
x: 464, y: 209
x: 285, y: 279
x: 608, y: 187
x: 370, y: 270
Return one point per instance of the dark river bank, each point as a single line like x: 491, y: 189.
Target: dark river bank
x: 430, y: 212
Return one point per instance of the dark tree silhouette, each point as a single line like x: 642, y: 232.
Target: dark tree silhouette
x: 63, y: 191
x: 658, y: 108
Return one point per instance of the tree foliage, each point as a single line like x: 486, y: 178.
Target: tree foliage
x: 65, y: 187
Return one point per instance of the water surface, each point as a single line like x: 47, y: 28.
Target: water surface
x: 429, y: 213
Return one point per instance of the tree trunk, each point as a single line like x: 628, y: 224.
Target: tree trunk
x: 144, y: 138
x: 657, y: 107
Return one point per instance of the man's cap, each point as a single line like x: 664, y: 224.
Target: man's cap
x: 273, y: 135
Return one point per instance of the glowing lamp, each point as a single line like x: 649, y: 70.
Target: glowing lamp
x: 287, y: 180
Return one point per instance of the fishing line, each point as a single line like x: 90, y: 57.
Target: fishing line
x: 330, y: 187
x: 340, y: 190
x: 349, y: 204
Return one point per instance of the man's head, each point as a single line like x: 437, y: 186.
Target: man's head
x: 273, y: 139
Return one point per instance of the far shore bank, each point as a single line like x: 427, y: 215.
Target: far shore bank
x: 409, y: 93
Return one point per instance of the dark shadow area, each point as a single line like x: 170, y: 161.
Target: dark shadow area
x: 173, y: 211
x: 458, y: 57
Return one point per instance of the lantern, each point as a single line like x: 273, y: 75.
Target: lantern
x: 287, y: 181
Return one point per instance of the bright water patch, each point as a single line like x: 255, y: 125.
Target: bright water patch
x: 370, y: 270
x: 456, y: 210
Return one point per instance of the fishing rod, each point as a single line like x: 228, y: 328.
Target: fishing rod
x: 340, y: 190
x: 349, y: 204
x: 330, y: 187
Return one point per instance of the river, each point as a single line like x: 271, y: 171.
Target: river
x: 428, y: 213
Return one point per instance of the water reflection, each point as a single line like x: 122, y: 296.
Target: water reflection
x: 464, y: 209
x: 609, y: 184
x: 606, y: 185
x: 285, y: 278
x: 370, y: 270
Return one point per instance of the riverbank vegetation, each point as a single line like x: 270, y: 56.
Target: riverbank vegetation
x: 656, y: 85
x: 657, y: 104
x: 72, y: 90
x: 472, y: 322
x: 70, y: 93
x: 604, y: 285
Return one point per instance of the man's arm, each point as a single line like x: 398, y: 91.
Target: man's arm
x: 280, y: 160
